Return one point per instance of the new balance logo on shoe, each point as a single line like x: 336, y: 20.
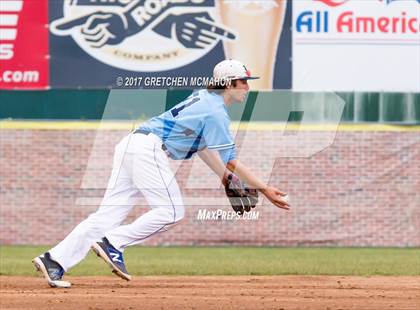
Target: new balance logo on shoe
x: 112, y: 257
x: 115, y: 257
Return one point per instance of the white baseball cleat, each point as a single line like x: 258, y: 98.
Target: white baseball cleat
x: 51, y: 270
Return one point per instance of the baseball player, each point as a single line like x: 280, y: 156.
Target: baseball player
x: 199, y: 124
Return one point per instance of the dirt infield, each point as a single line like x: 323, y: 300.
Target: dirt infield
x: 214, y: 292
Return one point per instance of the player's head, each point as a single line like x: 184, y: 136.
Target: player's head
x: 231, y: 69
x: 231, y: 77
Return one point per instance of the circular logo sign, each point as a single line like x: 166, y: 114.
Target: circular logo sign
x: 142, y: 35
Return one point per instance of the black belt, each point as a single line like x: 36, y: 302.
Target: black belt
x: 146, y: 132
x: 142, y: 131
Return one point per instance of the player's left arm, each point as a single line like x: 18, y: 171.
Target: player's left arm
x: 213, y: 160
x: 221, y: 149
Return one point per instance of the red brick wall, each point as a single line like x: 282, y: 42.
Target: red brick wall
x: 363, y: 190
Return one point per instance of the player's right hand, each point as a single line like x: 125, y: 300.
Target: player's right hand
x: 277, y: 197
x: 98, y: 28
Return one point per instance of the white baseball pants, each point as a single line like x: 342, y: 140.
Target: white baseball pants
x: 140, y: 166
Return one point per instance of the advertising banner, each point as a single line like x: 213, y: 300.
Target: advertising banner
x: 338, y: 45
x: 23, y: 44
x: 353, y: 45
x: 120, y: 43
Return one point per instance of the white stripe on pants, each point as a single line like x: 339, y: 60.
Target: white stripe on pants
x: 140, y: 165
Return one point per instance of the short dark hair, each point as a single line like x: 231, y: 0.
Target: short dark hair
x: 214, y: 87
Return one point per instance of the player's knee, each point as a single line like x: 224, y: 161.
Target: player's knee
x: 179, y: 213
x: 179, y: 210
x: 173, y: 214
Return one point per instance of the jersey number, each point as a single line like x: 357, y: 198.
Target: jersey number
x: 175, y: 111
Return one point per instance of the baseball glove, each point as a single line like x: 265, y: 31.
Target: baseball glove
x: 241, y: 197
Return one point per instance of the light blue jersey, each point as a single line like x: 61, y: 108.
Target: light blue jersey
x: 199, y: 121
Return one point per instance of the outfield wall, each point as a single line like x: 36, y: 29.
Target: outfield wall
x: 363, y: 190
x: 65, y: 104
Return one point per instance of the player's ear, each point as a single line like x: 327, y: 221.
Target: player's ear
x: 231, y: 84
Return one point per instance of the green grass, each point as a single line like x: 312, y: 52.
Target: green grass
x: 16, y: 260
